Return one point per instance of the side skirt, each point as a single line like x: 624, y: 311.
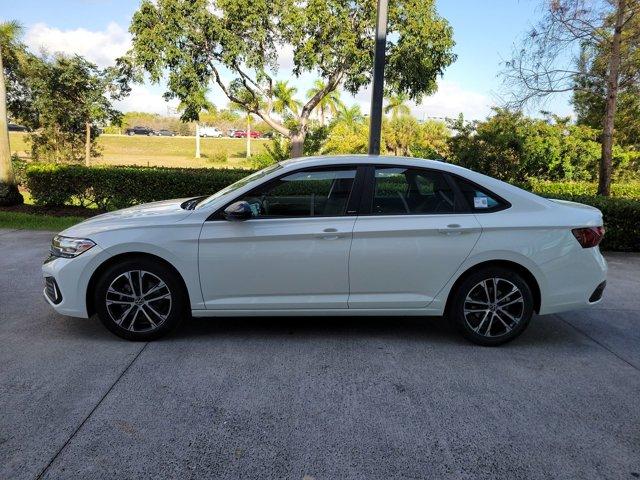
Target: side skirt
x: 344, y: 312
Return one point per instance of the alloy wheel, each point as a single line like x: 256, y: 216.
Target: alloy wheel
x: 493, y: 307
x: 138, y: 301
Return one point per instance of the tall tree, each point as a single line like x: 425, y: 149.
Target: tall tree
x: 543, y: 66
x: 330, y: 103
x: 9, y: 194
x: 397, y: 105
x: 590, y: 93
x: 199, y: 41
x: 71, y: 95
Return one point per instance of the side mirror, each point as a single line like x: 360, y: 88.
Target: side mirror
x: 238, y: 211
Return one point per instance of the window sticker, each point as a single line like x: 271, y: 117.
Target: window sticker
x: 480, y: 202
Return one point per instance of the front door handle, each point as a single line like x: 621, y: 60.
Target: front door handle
x: 452, y: 229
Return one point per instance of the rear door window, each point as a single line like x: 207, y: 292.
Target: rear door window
x: 404, y: 190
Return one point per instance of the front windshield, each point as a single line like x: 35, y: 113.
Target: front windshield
x: 239, y: 184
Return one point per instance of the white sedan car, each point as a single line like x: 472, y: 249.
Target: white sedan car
x: 352, y: 235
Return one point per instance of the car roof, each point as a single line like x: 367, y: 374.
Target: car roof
x: 373, y: 159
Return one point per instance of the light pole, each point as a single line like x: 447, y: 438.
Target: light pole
x: 377, y: 92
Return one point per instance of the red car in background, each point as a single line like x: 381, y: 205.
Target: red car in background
x: 243, y: 134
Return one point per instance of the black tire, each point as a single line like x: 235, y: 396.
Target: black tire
x: 485, y: 321
x: 153, y: 319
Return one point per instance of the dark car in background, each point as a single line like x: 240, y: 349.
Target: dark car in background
x: 13, y: 127
x: 165, y: 133
x: 139, y: 130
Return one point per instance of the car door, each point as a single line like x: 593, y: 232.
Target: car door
x: 413, y: 235
x: 292, y: 254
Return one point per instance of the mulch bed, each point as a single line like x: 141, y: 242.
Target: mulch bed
x: 67, y: 211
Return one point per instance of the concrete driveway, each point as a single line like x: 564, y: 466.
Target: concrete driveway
x: 336, y: 398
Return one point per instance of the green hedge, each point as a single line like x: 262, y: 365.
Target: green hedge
x: 118, y: 187
x: 630, y: 189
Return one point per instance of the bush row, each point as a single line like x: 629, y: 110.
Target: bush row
x: 629, y: 189
x: 118, y: 187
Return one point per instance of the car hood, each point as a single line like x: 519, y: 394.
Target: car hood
x: 155, y: 213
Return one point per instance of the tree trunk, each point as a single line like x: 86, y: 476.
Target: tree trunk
x: 6, y: 170
x: 297, y: 144
x: 87, y: 144
x: 604, y: 181
x: 9, y: 194
x: 197, y: 141
x: 248, y: 136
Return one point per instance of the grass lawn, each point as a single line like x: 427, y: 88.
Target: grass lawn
x: 30, y: 221
x: 162, y: 151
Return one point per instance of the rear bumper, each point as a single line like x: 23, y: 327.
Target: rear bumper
x: 575, y: 281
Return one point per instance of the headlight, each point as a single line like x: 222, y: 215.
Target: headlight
x: 67, y: 247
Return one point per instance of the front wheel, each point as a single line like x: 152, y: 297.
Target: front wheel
x: 492, y: 306
x: 140, y: 300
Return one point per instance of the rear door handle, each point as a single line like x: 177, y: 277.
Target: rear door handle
x: 330, y: 234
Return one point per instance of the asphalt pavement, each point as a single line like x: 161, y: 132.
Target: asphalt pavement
x: 315, y: 398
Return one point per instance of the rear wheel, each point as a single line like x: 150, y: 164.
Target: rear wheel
x: 140, y: 299
x: 492, y: 306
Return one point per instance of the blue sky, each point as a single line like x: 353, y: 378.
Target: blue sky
x: 484, y: 30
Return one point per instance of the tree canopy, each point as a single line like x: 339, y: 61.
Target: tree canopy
x: 197, y: 42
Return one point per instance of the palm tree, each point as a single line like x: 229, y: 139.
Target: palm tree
x: 350, y: 116
x: 9, y: 195
x: 397, y: 105
x: 284, y: 99
x: 330, y: 103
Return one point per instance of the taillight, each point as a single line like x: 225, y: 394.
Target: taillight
x: 588, y: 237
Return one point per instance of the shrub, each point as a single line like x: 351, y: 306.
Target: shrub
x: 220, y: 156
x: 19, y: 168
x: 262, y: 160
x: 119, y: 187
x: 629, y: 189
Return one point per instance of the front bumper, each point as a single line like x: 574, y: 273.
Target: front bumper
x: 66, y: 282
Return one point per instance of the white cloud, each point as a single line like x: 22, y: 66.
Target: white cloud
x: 450, y: 100
x: 101, y: 47
x: 144, y: 98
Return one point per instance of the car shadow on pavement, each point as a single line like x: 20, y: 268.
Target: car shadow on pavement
x: 438, y: 330
x: 545, y: 330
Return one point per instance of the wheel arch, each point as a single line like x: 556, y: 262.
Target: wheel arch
x: 98, y: 272
x: 523, y: 271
